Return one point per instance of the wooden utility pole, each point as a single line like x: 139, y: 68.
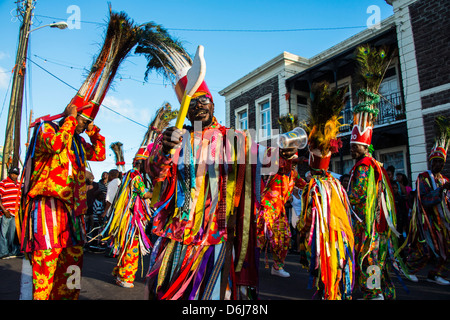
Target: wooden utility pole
x: 13, y: 124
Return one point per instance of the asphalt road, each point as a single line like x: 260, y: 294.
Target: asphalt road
x: 98, y: 284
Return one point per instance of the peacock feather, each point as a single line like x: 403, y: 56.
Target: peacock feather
x: 165, y: 55
x: 121, y: 36
x: 117, y: 148
x: 442, y: 130
x: 372, y: 66
x: 162, y: 118
x: 288, y: 122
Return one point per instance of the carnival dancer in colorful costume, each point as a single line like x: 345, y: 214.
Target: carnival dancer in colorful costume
x: 273, y: 223
x: 54, y: 193
x: 205, y: 201
x: 131, y: 212
x: 429, y: 228
x: 325, y: 220
x: 125, y: 230
x: 53, y: 231
x: 370, y: 192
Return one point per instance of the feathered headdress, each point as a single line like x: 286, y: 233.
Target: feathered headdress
x: 372, y: 66
x: 121, y: 36
x: 163, y: 116
x: 324, y: 123
x: 161, y: 120
x: 167, y: 57
x: 288, y: 122
x: 117, y: 148
x: 442, y: 139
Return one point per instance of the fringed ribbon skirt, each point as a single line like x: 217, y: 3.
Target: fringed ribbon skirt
x: 185, y: 272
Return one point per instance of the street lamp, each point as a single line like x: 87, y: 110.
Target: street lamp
x: 12, y: 145
x: 60, y: 25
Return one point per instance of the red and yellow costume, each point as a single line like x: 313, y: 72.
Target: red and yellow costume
x: 273, y: 222
x: 126, y: 227
x: 325, y: 220
x: 56, y: 202
x: 55, y: 192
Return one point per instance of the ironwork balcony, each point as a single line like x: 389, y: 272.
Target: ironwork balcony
x: 391, y: 109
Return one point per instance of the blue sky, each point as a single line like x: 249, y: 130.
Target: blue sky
x: 222, y: 27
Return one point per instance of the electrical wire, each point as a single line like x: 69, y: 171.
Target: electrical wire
x: 70, y: 86
x: 234, y: 30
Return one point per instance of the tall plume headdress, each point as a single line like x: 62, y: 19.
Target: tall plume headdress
x: 372, y: 66
x: 162, y: 118
x: 324, y: 123
x: 442, y: 139
x: 166, y: 56
x: 120, y: 38
x: 117, y: 148
x: 288, y: 122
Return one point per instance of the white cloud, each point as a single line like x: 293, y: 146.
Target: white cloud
x: 126, y: 108
x: 3, y: 55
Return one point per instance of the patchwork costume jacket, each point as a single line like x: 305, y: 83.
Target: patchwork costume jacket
x: 56, y: 185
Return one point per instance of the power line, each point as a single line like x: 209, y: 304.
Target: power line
x: 58, y: 63
x: 70, y: 86
x: 235, y: 30
x: 84, y: 21
x: 267, y: 30
x: 120, y: 77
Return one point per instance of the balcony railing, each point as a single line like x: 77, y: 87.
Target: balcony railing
x: 391, y: 109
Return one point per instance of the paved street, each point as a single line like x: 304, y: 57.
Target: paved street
x: 97, y: 282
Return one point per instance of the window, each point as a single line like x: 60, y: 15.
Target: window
x: 241, y: 116
x: 343, y: 167
x: 302, y: 107
x: 263, y: 127
x: 388, y: 86
x: 242, y: 120
x: 265, y: 122
x: 391, y: 104
x: 347, y: 110
x: 393, y: 157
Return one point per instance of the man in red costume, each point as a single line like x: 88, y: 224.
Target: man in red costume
x: 53, y: 230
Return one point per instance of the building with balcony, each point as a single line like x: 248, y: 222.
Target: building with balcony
x: 414, y: 90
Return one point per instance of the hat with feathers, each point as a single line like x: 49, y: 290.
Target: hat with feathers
x: 324, y: 123
x: 442, y: 140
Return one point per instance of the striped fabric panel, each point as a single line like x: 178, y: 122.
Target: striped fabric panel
x: 9, y: 194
